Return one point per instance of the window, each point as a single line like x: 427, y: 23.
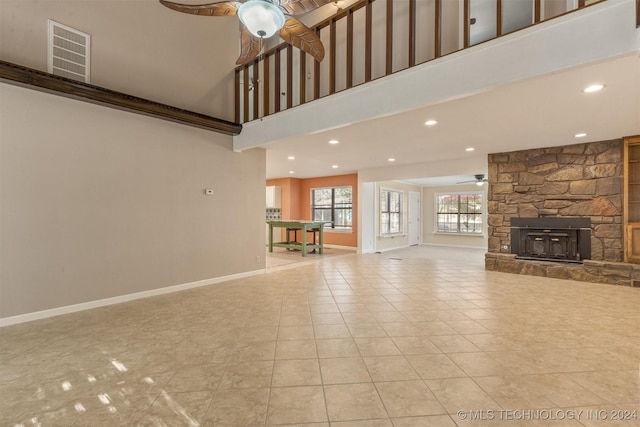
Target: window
x: 333, y: 206
x: 390, y: 212
x: 460, y: 213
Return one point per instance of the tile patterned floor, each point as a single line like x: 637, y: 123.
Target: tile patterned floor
x: 378, y: 340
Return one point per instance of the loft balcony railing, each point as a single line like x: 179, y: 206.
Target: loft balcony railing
x: 376, y: 38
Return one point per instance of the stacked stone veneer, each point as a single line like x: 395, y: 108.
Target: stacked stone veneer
x: 581, y: 180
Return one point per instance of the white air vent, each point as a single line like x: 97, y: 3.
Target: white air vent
x: 68, y: 52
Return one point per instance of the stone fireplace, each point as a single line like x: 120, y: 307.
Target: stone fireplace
x: 547, y: 205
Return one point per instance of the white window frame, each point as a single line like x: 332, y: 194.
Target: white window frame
x: 458, y: 233
x: 400, y: 214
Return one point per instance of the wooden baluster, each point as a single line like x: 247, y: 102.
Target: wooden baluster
x: 437, y: 27
x: 498, y: 18
x: 349, y: 49
x: 237, y: 96
x: 412, y: 33
x: 303, y: 77
x: 256, y: 90
x: 467, y: 24
x: 316, y: 76
x: 289, y: 76
x: 389, y: 59
x: 266, y: 84
x: 332, y: 57
x: 277, y: 77
x: 368, y: 42
x: 247, y: 82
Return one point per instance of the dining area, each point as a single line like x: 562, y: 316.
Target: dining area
x: 311, y: 235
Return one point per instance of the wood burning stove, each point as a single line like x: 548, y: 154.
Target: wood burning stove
x: 551, y: 239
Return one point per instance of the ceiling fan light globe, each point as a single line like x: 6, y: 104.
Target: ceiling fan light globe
x: 262, y: 18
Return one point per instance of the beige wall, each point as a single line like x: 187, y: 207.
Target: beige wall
x: 138, y: 47
x: 428, y: 223
x: 97, y: 203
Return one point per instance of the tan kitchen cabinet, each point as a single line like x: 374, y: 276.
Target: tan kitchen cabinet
x: 632, y: 199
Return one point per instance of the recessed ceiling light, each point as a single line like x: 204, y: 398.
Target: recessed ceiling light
x: 580, y: 135
x: 391, y: 159
x: 334, y: 141
x: 291, y: 158
x: 469, y: 149
x: 335, y: 166
x: 593, y: 88
x: 291, y: 172
x: 431, y: 122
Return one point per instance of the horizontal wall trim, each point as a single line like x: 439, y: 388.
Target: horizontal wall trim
x: 39, y: 80
x: 37, y: 315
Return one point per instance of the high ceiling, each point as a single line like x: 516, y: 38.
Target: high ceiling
x: 545, y: 111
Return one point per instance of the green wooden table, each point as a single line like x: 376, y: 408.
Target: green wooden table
x: 305, y: 227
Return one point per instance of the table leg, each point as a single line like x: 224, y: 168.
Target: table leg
x: 320, y: 233
x: 314, y: 239
x: 270, y: 237
x: 304, y: 241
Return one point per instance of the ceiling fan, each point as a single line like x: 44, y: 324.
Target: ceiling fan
x: 261, y: 19
x: 479, y: 180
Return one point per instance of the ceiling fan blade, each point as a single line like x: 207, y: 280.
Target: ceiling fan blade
x: 224, y: 8
x: 250, y: 46
x: 298, y: 7
x: 479, y: 179
x: 304, y: 38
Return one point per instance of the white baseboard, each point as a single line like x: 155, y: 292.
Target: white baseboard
x: 455, y: 246
x: 367, y: 251
x: 379, y: 251
x: 37, y: 315
x: 345, y: 248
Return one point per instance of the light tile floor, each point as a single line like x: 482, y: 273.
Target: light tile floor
x: 378, y: 340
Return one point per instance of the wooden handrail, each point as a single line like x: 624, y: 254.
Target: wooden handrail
x: 340, y: 73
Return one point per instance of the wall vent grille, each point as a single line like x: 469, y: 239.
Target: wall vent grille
x: 69, y: 51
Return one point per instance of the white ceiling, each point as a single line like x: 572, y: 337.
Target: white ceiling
x: 541, y: 112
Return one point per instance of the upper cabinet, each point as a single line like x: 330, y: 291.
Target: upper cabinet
x: 274, y: 196
x: 632, y: 199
